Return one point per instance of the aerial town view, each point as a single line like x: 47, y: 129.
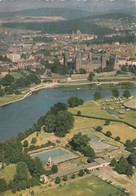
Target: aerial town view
x: 68, y: 97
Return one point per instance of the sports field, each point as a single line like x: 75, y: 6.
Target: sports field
x: 88, y: 186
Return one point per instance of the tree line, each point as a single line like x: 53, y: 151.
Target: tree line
x: 12, y: 85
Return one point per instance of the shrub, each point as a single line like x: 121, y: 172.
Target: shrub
x: 107, y: 122
x: 73, y: 176
x: 81, y: 173
x: 25, y: 143
x: 99, y: 129
x: 34, y: 140
x: 54, y: 168
x: 65, y: 178
x: 108, y: 134
x: 78, y: 113
x: 117, y: 138
x: 113, y: 162
x: 57, y: 180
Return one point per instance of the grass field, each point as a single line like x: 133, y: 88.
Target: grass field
x: 8, y: 172
x: 89, y: 186
x: 9, y: 98
x: 92, y: 108
x: 119, y: 129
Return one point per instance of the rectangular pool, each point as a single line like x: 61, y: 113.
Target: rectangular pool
x: 57, y: 155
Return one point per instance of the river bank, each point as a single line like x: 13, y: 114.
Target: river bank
x: 15, y: 98
x: 72, y: 85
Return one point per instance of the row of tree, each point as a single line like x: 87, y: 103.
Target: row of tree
x: 12, y: 85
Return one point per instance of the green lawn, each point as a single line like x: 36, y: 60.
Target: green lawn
x: 8, y: 172
x: 89, y: 186
x: 9, y: 98
x: 92, y: 108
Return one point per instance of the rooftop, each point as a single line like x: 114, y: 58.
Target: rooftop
x: 131, y: 104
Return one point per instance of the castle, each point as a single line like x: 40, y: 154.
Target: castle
x: 90, y: 64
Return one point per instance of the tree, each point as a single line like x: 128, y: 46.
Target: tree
x: 2, y: 93
x: 107, y: 122
x: 7, y: 80
x: 108, y: 134
x: 98, y: 128
x: 22, y: 172
x: 37, y: 168
x: 82, y: 71
x: 64, y: 122
x: 57, y: 180
x: 73, y: 176
x: 81, y: 173
x: 132, y: 159
x: 3, y: 185
x: 126, y: 93
x: 54, y: 168
x: 91, y: 76
x: 88, y: 151
x: 115, y: 92
x: 65, y: 178
x: 25, y: 143
x: 50, y: 123
x: 90, y: 160
x: 113, y: 162
x: 129, y: 170
x: 79, y: 142
x: 133, y: 143
x: 128, y: 143
x: 121, y: 166
x: 74, y: 101
x: 97, y: 95
x: 78, y: 113
x: 117, y: 138
x: 34, y: 140
x: 58, y: 107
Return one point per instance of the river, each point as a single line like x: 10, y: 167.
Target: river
x: 19, y: 116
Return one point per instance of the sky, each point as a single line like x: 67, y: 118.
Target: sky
x: 89, y: 5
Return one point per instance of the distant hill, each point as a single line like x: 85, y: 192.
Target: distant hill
x: 71, y: 25
x: 130, y: 11
x: 63, y: 12
x: 113, y: 16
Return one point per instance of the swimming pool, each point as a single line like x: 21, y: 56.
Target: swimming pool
x: 57, y: 155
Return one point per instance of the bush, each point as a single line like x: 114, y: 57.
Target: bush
x: 117, y: 138
x: 74, y: 101
x: 113, y: 162
x: 78, y: 113
x: 87, y: 171
x: 90, y: 160
x: 81, y: 173
x: 54, y: 168
x: 3, y: 185
x: 32, y: 193
x: 73, y: 176
x: 34, y: 140
x: 25, y: 143
x: 107, y: 122
x: 57, y: 180
x: 108, y: 134
x: 65, y: 178
x: 99, y: 129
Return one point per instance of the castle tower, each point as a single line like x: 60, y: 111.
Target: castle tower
x: 78, y: 63
x: 103, y: 61
x: 65, y: 59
